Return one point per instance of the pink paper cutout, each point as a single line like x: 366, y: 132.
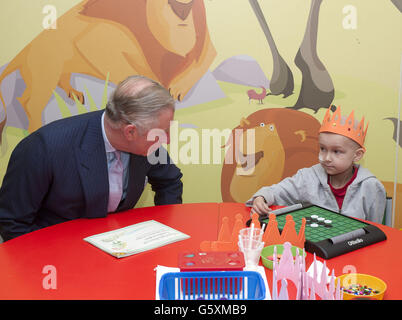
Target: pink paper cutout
x: 295, y: 270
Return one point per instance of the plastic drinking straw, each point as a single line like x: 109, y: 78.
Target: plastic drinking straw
x: 261, y: 234
x: 251, y: 235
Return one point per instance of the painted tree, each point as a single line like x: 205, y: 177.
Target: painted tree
x: 317, y: 90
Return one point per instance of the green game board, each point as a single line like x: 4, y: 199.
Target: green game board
x: 329, y: 239
x: 340, y: 224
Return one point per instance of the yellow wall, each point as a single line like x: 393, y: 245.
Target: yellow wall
x: 364, y: 64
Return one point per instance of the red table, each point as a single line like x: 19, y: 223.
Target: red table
x: 83, y: 271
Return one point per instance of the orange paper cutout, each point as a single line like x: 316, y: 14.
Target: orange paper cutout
x: 228, y: 239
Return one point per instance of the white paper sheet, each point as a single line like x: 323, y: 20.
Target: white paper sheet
x: 136, y: 238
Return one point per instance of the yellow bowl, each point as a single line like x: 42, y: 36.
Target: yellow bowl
x: 365, y: 280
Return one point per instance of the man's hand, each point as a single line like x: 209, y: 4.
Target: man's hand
x: 260, y: 206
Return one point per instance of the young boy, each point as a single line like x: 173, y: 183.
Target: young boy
x: 336, y: 183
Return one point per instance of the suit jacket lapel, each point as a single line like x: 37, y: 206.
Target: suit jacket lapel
x: 92, y: 167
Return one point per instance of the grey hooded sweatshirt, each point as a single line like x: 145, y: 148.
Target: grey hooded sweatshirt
x: 365, y: 197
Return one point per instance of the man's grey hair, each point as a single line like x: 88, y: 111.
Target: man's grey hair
x: 138, y: 100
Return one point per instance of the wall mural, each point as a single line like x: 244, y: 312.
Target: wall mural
x: 278, y: 84
x: 285, y: 141
x: 165, y: 40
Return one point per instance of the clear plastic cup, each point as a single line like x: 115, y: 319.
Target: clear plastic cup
x: 252, y: 251
x: 251, y: 233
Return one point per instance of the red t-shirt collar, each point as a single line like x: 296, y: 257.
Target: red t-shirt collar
x: 340, y: 193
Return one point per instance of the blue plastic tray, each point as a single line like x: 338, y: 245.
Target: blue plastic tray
x: 213, y: 285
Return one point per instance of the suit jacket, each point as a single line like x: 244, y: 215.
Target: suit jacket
x: 59, y: 173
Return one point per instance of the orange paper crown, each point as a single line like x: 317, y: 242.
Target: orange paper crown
x: 333, y: 124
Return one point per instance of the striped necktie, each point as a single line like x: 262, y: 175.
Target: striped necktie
x: 115, y: 182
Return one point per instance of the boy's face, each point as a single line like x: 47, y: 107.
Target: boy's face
x: 337, y: 152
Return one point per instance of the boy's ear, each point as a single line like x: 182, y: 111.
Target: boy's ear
x: 359, y: 153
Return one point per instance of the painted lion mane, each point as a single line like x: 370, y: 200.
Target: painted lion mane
x: 300, y: 152
x: 132, y: 14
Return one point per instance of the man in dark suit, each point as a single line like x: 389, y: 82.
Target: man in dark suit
x: 67, y: 169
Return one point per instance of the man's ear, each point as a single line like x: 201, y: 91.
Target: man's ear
x: 359, y: 153
x: 130, y: 131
